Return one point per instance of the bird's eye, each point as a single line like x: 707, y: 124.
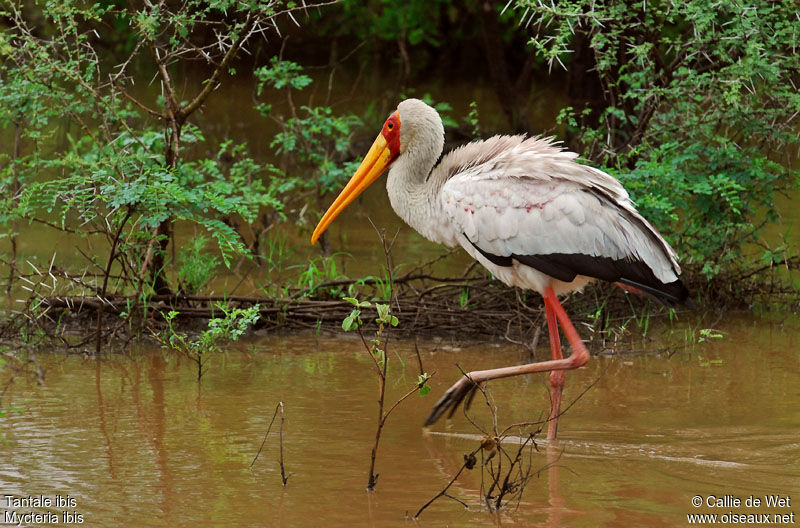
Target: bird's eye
x: 390, y: 125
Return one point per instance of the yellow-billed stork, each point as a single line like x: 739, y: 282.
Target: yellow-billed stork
x: 528, y: 212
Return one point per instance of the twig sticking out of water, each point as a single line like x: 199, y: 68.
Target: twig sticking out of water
x: 469, y: 463
x: 377, y: 349
x: 508, y: 470
x: 378, y: 352
x: 284, y: 476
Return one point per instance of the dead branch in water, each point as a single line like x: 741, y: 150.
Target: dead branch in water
x: 377, y: 349
x: 284, y: 476
x: 469, y: 462
x: 63, y: 307
x: 507, y: 461
x: 423, y: 301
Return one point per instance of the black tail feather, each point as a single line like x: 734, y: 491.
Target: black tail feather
x: 669, y: 294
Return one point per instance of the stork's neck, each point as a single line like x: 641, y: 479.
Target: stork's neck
x: 413, y: 186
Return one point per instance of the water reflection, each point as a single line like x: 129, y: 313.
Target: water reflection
x: 142, y: 443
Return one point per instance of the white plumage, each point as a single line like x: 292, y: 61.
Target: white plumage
x: 510, y: 195
x: 527, y: 211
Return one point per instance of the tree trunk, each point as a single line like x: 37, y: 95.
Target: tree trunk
x: 15, y: 187
x: 158, y: 270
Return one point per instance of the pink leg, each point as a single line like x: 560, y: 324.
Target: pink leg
x: 578, y: 358
x: 556, y: 376
x: 467, y: 383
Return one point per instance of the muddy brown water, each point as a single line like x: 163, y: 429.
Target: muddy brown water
x: 136, y: 441
x: 133, y: 440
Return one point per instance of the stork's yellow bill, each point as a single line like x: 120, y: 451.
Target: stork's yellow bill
x: 383, y: 152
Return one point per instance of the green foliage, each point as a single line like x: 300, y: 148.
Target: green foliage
x: 315, y: 274
x: 376, y: 348
x: 127, y: 179
x: 276, y: 251
x: 94, y: 161
x: 384, y: 319
x: 281, y: 74
x: 353, y: 321
x: 314, y: 141
x: 383, y: 286
x: 416, y: 21
x: 220, y: 330
x: 716, y: 200
x: 473, y: 121
x: 384, y: 315
x: 195, y: 268
x: 228, y: 328
x: 422, y: 384
x: 463, y: 298
x: 699, y: 103
x: 708, y: 334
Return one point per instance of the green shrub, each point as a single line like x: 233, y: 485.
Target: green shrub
x: 698, y: 118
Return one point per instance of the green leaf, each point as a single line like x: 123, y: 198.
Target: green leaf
x: 352, y: 321
x: 422, y: 383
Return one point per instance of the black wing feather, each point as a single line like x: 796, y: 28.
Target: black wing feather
x: 566, y: 266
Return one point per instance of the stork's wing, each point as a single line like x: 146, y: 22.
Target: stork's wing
x: 534, y: 204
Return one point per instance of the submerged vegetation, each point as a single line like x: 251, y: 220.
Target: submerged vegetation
x: 107, y: 143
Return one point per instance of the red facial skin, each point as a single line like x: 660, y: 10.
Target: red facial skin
x: 391, y: 133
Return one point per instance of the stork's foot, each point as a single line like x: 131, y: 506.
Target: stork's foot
x: 463, y: 390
